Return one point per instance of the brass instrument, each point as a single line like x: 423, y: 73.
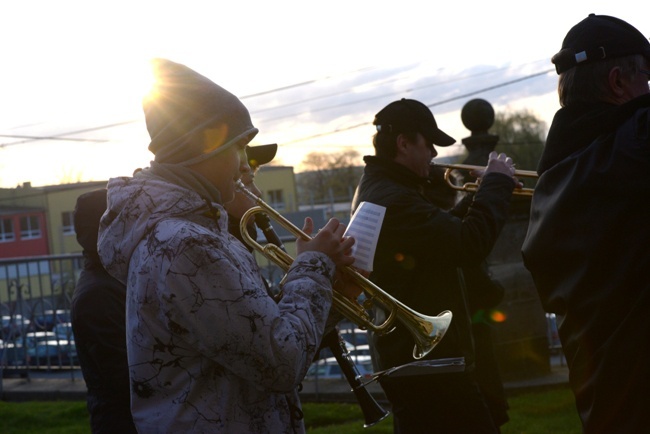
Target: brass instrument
x: 473, y: 186
x: 373, y: 413
x: 427, y: 331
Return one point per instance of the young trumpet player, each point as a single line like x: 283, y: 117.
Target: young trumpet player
x: 208, y: 349
x: 257, y: 156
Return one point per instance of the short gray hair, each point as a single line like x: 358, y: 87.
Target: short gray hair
x: 588, y: 83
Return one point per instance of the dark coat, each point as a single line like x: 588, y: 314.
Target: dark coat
x: 587, y: 250
x: 421, y: 248
x: 98, y: 323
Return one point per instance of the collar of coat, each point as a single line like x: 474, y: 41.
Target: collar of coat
x: 576, y: 126
x: 394, y: 171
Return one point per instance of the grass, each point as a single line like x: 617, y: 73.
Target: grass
x: 538, y: 412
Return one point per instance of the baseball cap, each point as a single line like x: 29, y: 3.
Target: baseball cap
x: 262, y: 154
x: 411, y: 116
x: 599, y: 37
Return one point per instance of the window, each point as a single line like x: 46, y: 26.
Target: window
x: 7, y: 230
x: 29, y: 227
x: 67, y: 219
x: 276, y: 199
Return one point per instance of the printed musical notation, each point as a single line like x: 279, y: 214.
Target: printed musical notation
x: 365, y: 226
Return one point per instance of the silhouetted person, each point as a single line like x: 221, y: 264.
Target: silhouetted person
x: 419, y: 252
x: 98, y: 324
x: 587, y: 241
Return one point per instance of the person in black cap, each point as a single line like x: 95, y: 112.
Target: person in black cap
x: 98, y: 319
x: 208, y: 349
x: 587, y: 241
x: 257, y: 156
x: 421, y: 247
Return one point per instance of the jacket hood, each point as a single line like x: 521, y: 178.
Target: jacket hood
x: 135, y: 206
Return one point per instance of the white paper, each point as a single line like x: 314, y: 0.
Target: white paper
x: 364, y: 227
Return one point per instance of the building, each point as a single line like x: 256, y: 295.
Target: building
x: 278, y: 187
x: 37, y: 221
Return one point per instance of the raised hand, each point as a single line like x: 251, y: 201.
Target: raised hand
x: 328, y: 240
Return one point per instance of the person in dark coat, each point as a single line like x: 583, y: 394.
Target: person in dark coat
x: 587, y: 241
x: 420, y: 251
x: 483, y: 296
x: 98, y: 323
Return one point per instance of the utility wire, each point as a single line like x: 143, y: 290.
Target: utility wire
x: 28, y: 139
x: 61, y: 137
x: 382, y: 82
x: 486, y: 89
x: 33, y: 138
x: 304, y: 83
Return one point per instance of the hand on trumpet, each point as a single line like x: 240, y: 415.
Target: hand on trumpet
x: 328, y: 240
x: 498, y: 163
x: 346, y: 286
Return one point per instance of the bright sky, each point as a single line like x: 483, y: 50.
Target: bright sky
x: 73, y: 68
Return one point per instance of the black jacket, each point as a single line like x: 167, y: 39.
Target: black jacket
x: 587, y: 250
x: 421, y: 248
x: 98, y: 322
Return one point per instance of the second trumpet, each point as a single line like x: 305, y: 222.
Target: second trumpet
x: 427, y: 331
x: 473, y: 186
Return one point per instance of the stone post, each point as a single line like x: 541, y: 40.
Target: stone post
x: 521, y: 341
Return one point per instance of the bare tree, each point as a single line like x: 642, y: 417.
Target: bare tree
x: 521, y: 135
x: 329, y: 176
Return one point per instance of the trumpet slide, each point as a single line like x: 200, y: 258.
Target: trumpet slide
x: 426, y: 331
x: 473, y: 186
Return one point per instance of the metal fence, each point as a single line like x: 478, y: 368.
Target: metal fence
x: 35, y: 296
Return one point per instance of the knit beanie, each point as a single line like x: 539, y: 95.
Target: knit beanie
x: 181, y: 105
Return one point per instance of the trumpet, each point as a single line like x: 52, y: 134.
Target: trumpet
x: 372, y: 411
x: 473, y: 186
x: 427, y: 331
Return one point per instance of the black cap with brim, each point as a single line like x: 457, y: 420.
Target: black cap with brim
x: 262, y: 154
x: 438, y: 137
x: 599, y: 37
x: 411, y: 116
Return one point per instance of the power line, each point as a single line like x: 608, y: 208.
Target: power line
x: 304, y: 83
x: 486, y: 89
x: 382, y: 82
x: 28, y: 139
x: 33, y: 138
x: 62, y: 136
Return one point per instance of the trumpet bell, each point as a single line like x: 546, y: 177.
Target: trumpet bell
x: 433, y: 328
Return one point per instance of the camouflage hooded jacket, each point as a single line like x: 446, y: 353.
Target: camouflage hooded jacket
x: 208, y: 349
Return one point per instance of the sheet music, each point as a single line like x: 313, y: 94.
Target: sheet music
x: 365, y: 226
